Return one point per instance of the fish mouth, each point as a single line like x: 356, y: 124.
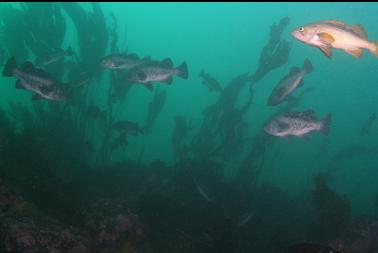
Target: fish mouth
x: 294, y: 34
x: 297, y: 35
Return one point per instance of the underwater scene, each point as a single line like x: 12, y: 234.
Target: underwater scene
x: 188, y: 127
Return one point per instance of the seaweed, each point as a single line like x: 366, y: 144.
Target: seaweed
x: 334, y: 210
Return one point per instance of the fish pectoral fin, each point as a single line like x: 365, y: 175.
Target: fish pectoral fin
x: 326, y: 38
x: 36, y: 97
x: 18, y: 85
x: 306, y: 137
x: 356, y: 52
x: 289, y: 139
x: 335, y: 22
x: 358, y: 30
x: 167, y: 62
x: 327, y: 51
x: 149, y: 86
x: 168, y: 80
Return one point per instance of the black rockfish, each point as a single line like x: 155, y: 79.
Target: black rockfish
x: 289, y: 83
x: 36, y: 80
x: 298, y: 124
x: 155, y: 71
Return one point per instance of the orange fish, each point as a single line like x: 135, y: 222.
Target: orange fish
x: 336, y: 34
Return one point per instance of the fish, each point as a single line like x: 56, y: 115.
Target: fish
x: 53, y: 56
x: 335, y: 34
x: 368, y: 124
x: 155, y: 71
x: 128, y: 127
x: 310, y: 248
x: 210, y: 82
x: 36, y: 80
x: 122, y: 61
x: 289, y: 83
x: 297, y: 124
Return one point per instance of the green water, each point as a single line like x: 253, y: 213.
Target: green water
x: 226, y: 40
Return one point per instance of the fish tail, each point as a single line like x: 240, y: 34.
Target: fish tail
x: 9, y: 67
x: 374, y: 48
x: 183, y: 71
x: 307, y: 66
x: 326, y: 123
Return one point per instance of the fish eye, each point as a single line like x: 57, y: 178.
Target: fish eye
x: 301, y: 29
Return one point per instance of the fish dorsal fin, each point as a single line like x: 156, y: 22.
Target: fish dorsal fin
x: 335, y: 22
x: 43, y: 73
x: 167, y: 63
x: 326, y: 38
x: 294, y: 70
x: 309, y: 114
x: 356, y: 52
x: 358, y: 30
x: 327, y: 51
x: 280, y: 90
x: 36, y: 97
x: 283, y: 79
x: 28, y: 66
x: 291, y: 114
